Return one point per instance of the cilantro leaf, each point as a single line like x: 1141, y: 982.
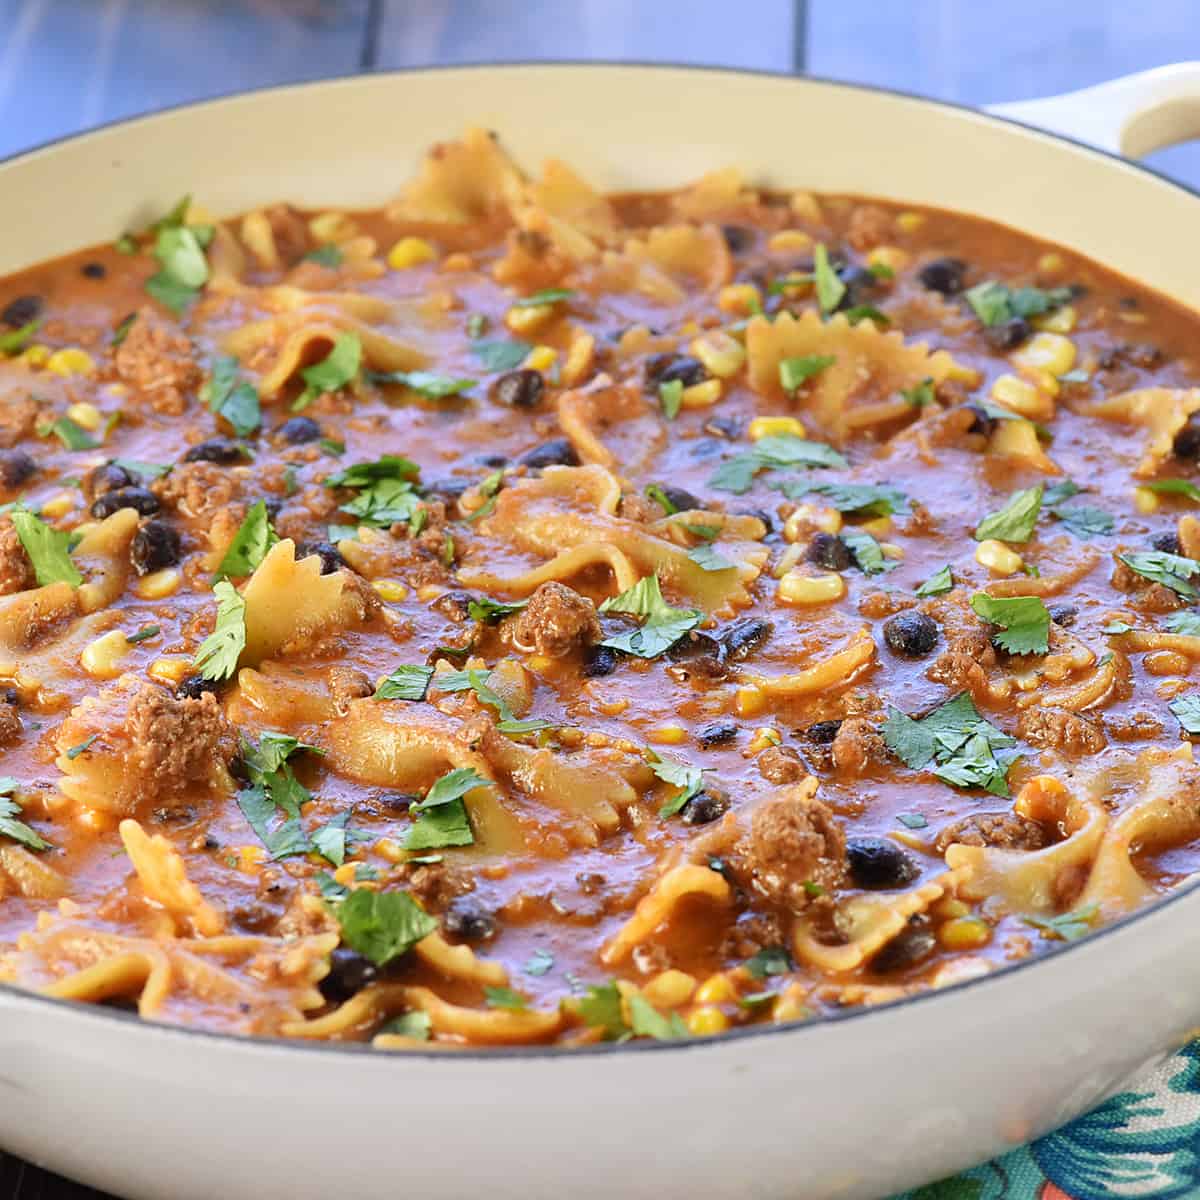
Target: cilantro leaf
x: 138, y: 467
x: 483, y: 608
x: 540, y: 962
x: 769, y: 961
x: 1171, y: 570
x: 446, y: 825
x: 382, y: 926
x: 866, y: 312
x: 689, y: 780
x: 1173, y: 487
x: 1065, y: 927
x: 1056, y: 493
x: 1015, y: 521
x: 383, y: 503
x: 601, y: 1008
x: 1085, y: 520
x: 282, y: 840
x: 236, y: 401
x: 868, y: 554
x: 920, y: 395
x: 15, y: 340
x: 1186, y: 623
x: 788, y: 450
x: 338, y: 368
x: 938, y: 584
x: 1116, y: 627
x: 664, y: 625
x: 217, y: 657
x: 545, y: 296
x: 363, y: 474
x: 452, y: 786
x: 670, y: 396
x: 706, y: 557
x: 505, y: 998
x: 1024, y: 622
x: 407, y: 682
x: 647, y: 1021
x: 830, y: 289
x: 736, y: 474
x: 250, y: 544
x: 794, y: 371
x: 415, y: 1025
x: 333, y: 838
x: 10, y: 826
x: 72, y: 435
x: 477, y: 682
x: 49, y: 549
x: 426, y: 383
x: 862, y: 499
x: 501, y: 354
x: 1187, y: 712
x: 994, y: 303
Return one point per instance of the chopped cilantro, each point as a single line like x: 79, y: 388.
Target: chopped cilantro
x: 442, y: 818
x: 794, y: 371
x: 126, y: 244
x: 484, y: 608
x: 1186, y: 623
x: 670, y: 396
x: 862, y: 499
x: 1084, y: 520
x: 1066, y: 927
x: 663, y: 626
x: 226, y: 396
x: 994, y: 303
x: 333, y: 838
x: 545, y: 296
x: 830, y: 289
x: 488, y: 487
x: 148, y: 469
x: 72, y: 435
x: 647, y: 1021
x: 868, y: 554
x: 407, y: 682
x: 337, y: 369
x: 1023, y: 621
x: 382, y: 926
x: 179, y: 249
x: 16, y: 340
x: 601, y: 1008
x: 912, y: 820
x: 83, y: 747
x: 505, y: 998
x: 143, y: 635
x: 250, y: 544
x: 49, y: 549
x: 540, y: 962
x: 921, y: 395
x: 217, y: 657
x: 331, y: 891
x: 333, y: 447
x: 416, y: 1026
x: 1187, y: 712
x: 1015, y: 521
x: 122, y: 330
x: 12, y: 828
x: 501, y: 354
x: 1173, y: 487
x: 1171, y: 570
x: 426, y: 383
x: 866, y: 312
x: 477, y: 324
x: 689, y: 780
x: 1116, y: 627
x: 770, y: 960
x: 707, y: 558
x: 938, y: 584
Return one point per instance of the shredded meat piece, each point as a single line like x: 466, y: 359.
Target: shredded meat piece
x: 1008, y: 831
x: 780, y: 764
x: 437, y: 884
x: 637, y: 508
x: 964, y: 663
x: 794, y: 840
x: 18, y: 419
x: 752, y: 933
x: 555, y: 621
x: 1134, y: 726
x: 877, y: 605
x: 1147, y: 596
x: 921, y: 523
x: 857, y: 744
x: 173, y: 739
x: 10, y: 722
x: 16, y: 571
x: 1059, y: 729
x: 869, y: 227
x: 158, y: 361
x: 346, y: 684
x: 198, y: 488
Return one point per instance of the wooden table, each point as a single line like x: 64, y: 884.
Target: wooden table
x: 66, y: 65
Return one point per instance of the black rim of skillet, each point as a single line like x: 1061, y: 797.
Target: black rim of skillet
x: 363, y: 1050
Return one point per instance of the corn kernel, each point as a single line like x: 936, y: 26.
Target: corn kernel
x: 86, y: 416
x: 807, y: 207
x: 1146, y: 501
x: 390, y: 589
x: 1050, y: 264
x: 670, y: 989
x: 888, y: 256
x: 961, y: 373
x: 762, y: 427
x: 701, y: 395
x: 250, y: 858
x: 36, y: 355
x: 892, y: 551
x: 877, y: 526
x: 172, y: 669
x: 965, y: 933
x: 707, y: 1020
x: 101, y: 658
x: 720, y: 352
x: 541, y: 358
x: 410, y: 252
x: 787, y: 560
x: 949, y: 907
x: 71, y: 361
x: 430, y: 591
x: 791, y: 1006
x: 1046, y: 352
x: 345, y: 874
x: 795, y: 588
x: 333, y: 227
x: 530, y: 319
x: 1061, y: 320
x: 828, y: 520
x: 749, y: 701
x: 668, y: 735
x: 58, y: 505
x: 997, y: 557
x: 716, y: 989
x: 579, y: 358
x: 158, y: 585
x: 910, y: 222
x: 391, y: 850
x: 740, y: 298
x: 1023, y: 398
x: 789, y: 239
x: 764, y: 737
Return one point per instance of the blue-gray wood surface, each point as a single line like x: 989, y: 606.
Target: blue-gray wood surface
x: 67, y: 65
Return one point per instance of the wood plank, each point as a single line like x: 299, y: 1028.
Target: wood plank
x: 65, y: 67
x: 415, y: 32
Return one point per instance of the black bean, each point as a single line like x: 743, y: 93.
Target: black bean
x: 1063, y: 614
x: 349, y: 973
x: 398, y: 802
x: 222, y: 450
x: 16, y: 468
x: 448, y: 489
x: 521, y: 388
x: 716, y: 733
x: 195, y: 686
x: 107, y: 478
x: 468, y: 919
x: 1168, y: 543
x: 944, y: 275
x: 983, y: 422
x: 140, y: 498
x: 823, y: 732
x: 915, y: 943
x: 155, y: 545
x: 556, y: 453
x: 1187, y: 440
x: 600, y: 660
x: 494, y: 461
x: 879, y: 863
x: 911, y: 634
x: 21, y: 311
x: 827, y: 550
x: 1009, y: 335
x: 860, y: 286
x: 743, y: 637
x: 737, y: 237
x: 94, y: 270
x: 296, y: 431
x: 704, y: 808
x: 705, y: 448
x: 682, y: 500
x: 327, y: 552
x: 666, y: 368
x: 273, y: 505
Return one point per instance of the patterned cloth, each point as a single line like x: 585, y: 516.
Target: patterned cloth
x: 1143, y: 1144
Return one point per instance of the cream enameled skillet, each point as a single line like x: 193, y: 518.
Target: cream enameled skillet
x: 857, y: 1106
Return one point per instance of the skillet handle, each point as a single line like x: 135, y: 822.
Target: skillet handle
x: 1133, y: 115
